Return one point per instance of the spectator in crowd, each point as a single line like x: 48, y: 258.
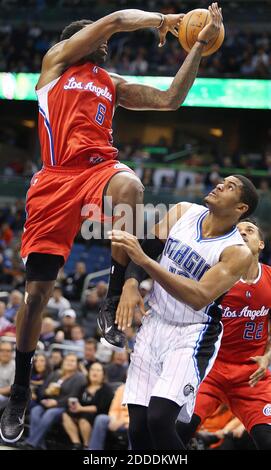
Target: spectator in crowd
x: 117, y: 419
x: 75, y: 281
x: 9, y: 330
x: 55, y: 359
x: 40, y: 372
x: 6, y: 234
x: 3, y: 321
x: 104, y: 353
x: 7, y: 371
x: 13, y: 305
x: 58, y: 302
x: 30, y: 168
x: 101, y: 289
x: 90, y: 308
x: 117, y: 369
x: 139, y: 65
x: 77, y: 339
x: 59, y: 386
x: 68, y: 320
x: 47, y: 336
x: 213, y: 177
x: 90, y: 350
x: 5, y: 265
x: 94, y: 400
x: 91, y: 303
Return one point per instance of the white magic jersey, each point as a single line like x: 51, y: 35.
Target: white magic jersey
x: 187, y: 254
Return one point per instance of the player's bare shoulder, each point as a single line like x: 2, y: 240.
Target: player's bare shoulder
x: 178, y: 211
x: 163, y: 228
x: 52, y: 66
x: 117, y: 80
x: 238, y: 258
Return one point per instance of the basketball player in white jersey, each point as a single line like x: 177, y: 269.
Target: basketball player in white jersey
x: 203, y: 256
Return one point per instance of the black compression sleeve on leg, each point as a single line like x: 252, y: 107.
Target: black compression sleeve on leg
x: 261, y: 435
x: 139, y: 434
x: 186, y: 431
x: 153, y: 248
x: 162, y: 415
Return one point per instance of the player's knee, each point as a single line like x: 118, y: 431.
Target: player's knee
x: 156, y: 419
x: 37, y: 299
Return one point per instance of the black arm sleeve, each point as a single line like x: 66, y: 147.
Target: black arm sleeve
x: 153, y: 248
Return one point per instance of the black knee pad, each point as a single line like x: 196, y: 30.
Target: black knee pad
x: 43, y: 267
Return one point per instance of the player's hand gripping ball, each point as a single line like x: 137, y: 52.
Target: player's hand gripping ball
x: 191, y: 26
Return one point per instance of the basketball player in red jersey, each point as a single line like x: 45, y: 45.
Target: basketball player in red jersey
x: 240, y: 375
x: 77, y: 99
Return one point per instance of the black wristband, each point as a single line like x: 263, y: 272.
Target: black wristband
x: 153, y: 248
x: 202, y: 42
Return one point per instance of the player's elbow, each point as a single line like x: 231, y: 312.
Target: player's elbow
x: 200, y: 301
x: 116, y: 22
x: 119, y: 19
x: 172, y: 104
x: 197, y: 306
x: 125, y: 20
x: 169, y: 101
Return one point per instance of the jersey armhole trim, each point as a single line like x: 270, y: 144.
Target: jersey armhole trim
x: 47, y: 88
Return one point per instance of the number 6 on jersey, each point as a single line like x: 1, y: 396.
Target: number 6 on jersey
x: 99, y: 118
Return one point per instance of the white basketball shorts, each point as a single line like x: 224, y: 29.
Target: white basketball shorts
x: 170, y: 360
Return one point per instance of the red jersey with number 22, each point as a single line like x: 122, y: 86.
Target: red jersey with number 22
x: 75, y: 118
x: 245, y: 319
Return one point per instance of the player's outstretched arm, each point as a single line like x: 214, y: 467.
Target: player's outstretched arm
x: 89, y: 38
x: 216, y: 281
x: 143, y: 97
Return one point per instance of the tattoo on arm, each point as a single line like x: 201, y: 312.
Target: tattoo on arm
x: 142, y: 97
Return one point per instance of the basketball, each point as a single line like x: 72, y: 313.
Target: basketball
x: 190, y: 27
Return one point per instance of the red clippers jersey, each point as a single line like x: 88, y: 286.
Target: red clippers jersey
x: 75, y: 117
x: 245, y: 318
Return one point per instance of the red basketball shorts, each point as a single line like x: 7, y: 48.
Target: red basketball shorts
x: 57, y: 202
x: 228, y: 383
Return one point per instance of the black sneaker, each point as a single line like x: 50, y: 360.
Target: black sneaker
x: 76, y: 447
x: 12, y: 421
x: 23, y: 445
x: 112, y: 336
